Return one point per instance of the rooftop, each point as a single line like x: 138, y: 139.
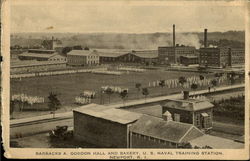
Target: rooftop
x: 41, y: 51
x: 146, y: 53
x: 189, y: 104
x: 36, y: 55
x: 171, y: 131
x: 109, y: 113
x: 25, y: 63
x: 81, y: 52
x: 111, y: 52
x: 216, y: 142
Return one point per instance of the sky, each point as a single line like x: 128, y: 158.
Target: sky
x: 121, y: 17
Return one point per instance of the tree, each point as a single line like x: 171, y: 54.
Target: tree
x: 65, y: 50
x: 54, y: 103
x: 145, y: 92
x: 77, y: 47
x: 124, y: 95
x: 214, y: 83
x: 109, y: 92
x: 202, y: 77
x: 86, y: 48
x: 138, y: 86
x: 194, y: 86
x: 182, y: 80
x: 162, y: 84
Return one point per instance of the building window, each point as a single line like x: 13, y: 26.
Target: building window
x: 177, y: 117
x: 197, y: 120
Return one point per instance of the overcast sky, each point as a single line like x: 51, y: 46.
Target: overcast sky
x: 123, y: 17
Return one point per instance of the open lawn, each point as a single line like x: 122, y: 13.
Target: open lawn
x: 71, y: 85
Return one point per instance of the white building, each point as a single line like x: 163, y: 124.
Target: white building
x: 83, y: 57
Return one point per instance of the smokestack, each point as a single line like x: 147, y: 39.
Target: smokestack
x: 205, y: 38
x: 173, y: 35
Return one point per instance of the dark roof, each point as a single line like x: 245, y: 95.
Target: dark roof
x: 189, y: 104
x: 171, y: 131
x: 111, y: 52
x: 146, y: 53
x: 81, y: 52
x: 41, y: 51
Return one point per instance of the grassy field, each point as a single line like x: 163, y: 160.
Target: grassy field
x: 70, y: 86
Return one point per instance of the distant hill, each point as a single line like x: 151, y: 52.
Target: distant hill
x: 127, y: 41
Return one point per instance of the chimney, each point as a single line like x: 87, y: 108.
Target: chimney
x: 205, y: 38
x: 173, y: 35
x: 185, y: 95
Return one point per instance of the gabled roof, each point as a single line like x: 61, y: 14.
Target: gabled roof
x: 81, y: 52
x: 171, y: 131
x: 111, y: 52
x: 109, y: 113
x: 189, y: 104
x: 146, y: 53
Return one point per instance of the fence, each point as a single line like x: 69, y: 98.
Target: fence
x: 38, y: 74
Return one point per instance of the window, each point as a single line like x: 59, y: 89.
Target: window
x: 197, y: 120
x: 206, y: 122
x: 177, y: 117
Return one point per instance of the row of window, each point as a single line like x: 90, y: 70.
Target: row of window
x: 153, y: 139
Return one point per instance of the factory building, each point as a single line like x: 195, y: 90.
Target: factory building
x: 42, y: 55
x: 153, y: 132
x: 214, y: 57
x: 140, y: 56
x: 192, y: 111
x: 189, y: 60
x: 103, y: 126
x: 35, y: 66
x: 82, y: 57
x: 221, y: 57
x: 53, y: 44
x: 110, y: 55
x: 171, y: 54
x: 236, y: 57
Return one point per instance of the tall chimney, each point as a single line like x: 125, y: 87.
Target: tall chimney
x: 205, y: 38
x: 173, y: 35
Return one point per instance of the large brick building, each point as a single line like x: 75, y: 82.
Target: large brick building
x: 82, y: 57
x: 171, y: 55
x: 192, y: 111
x: 236, y: 57
x: 221, y: 57
x: 214, y: 57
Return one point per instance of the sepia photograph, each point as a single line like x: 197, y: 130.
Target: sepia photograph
x: 170, y: 77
